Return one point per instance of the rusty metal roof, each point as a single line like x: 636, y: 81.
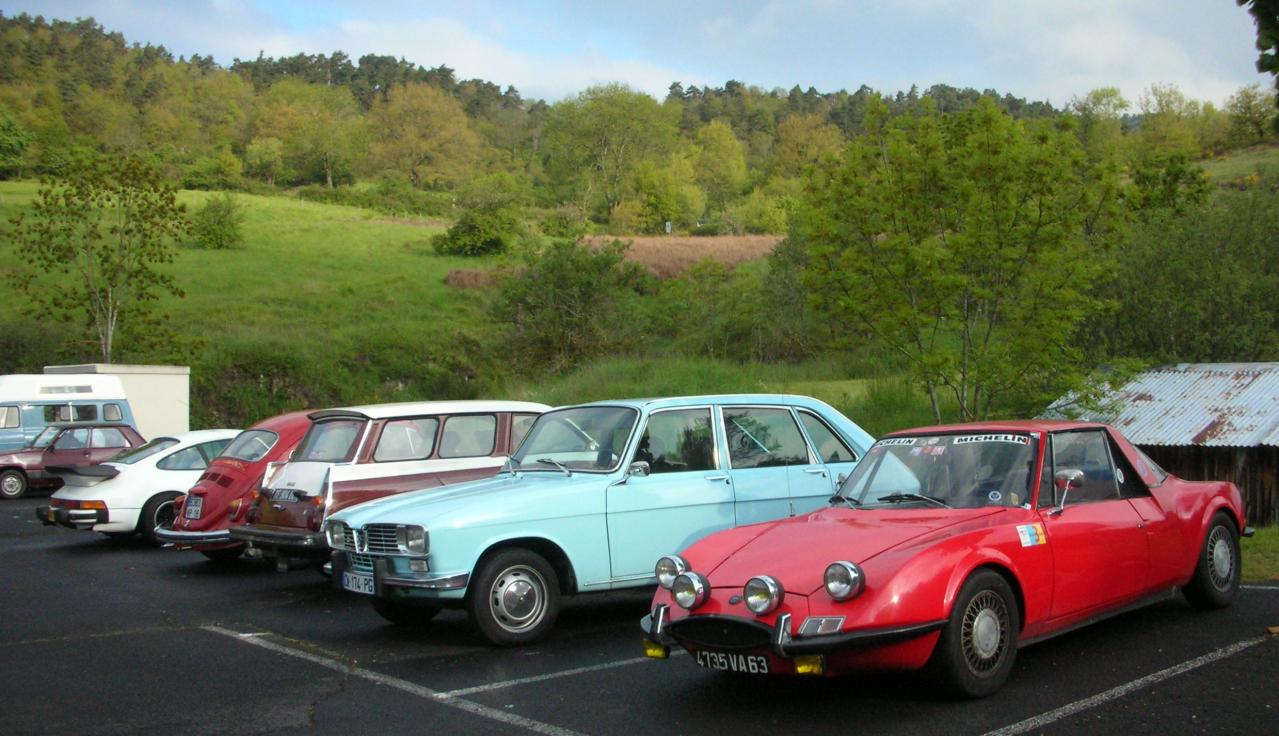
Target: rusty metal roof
x: 1210, y: 404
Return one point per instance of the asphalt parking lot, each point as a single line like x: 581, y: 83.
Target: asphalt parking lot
x: 102, y: 637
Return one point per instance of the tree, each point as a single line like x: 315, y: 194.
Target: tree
x: 1100, y: 114
x: 802, y: 140
x: 263, y: 158
x: 1265, y: 13
x: 14, y: 140
x: 422, y: 130
x: 320, y: 127
x: 101, y: 233
x: 1251, y: 115
x: 968, y: 245
x: 721, y: 163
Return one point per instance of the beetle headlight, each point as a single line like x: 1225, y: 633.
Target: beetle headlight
x: 763, y: 594
x: 690, y: 590
x: 844, y: 580
x: 668, y: 568
x: 413, y: 540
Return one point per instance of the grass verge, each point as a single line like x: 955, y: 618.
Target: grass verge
x: 1261, y: 556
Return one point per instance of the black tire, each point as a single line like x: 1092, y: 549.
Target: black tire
x: 514, y: 598
x: 978, y: 645
x: 156, y: 511
x: 404, y: 613
x: 13, y: 484
x: 226, y: 554
x: 1216, y: 579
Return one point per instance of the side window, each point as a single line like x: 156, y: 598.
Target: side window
x: 212, y: 449
x: 1086, y: 451
x: 112, y: 413
x: 10, y: 417
x: 73, y: 439
x: 1130, y: 484
x: 760, y: 437
x: 86, y: 413
x: 830, y: 448
x: 186, y: 459
x: 57, y: 413
x: 1047, y: 491
x: 469, y: 436
x: 678, y: 441
x: 406, y: 439
x: 520, y: 425
x: 109, y: 437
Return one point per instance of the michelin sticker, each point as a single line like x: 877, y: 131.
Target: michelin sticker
x: 1016, y: 439
x: 897, y: 441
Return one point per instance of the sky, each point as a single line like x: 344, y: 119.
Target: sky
x: 551, y: 49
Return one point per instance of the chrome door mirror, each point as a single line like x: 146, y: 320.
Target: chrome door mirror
x: 1067, y: 480
x: 639, y: 469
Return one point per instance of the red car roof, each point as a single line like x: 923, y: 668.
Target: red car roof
x: 1004, y: 425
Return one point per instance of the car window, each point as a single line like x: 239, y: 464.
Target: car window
x: 188, y: 458
x: 830, y: 448
x: 109, y: 437
x: 1130, y: 484
x: 212, y: 449
x: 1159, y: 473
x: 520, y: 425
x: 1086, y: 451
x: 468, y: 436
x: 251, y: 445
x: 112, y: 413
x: 677, y: 441
x: 588, y: 438
x: 331, y: 440
x: 760, y: 437
x: 406, y: 439
x: 57, y: 413
x: 1047, y: 491
x: 159, y: 444
x: 72, y: 439
x: 10, y: 417
x: 86, y: 413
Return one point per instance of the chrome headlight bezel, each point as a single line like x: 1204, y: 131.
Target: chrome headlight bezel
x: 413, y: 539
x: 844, y: 580
x: 332, y: 535
x: 690, y: 590
x: 763, y: 594
x: 668, y: 568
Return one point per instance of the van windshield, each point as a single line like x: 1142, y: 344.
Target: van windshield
x: 331, y: 441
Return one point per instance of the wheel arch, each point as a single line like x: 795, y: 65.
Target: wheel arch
x: 547, y: 549
x: 999, y: 567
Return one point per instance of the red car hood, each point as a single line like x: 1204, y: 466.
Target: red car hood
x: 796, y: 551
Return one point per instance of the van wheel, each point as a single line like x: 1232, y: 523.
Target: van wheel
x: 514, y: 599
x: 1216, y: 579
x: 158, y: 511
x: 13, y: 484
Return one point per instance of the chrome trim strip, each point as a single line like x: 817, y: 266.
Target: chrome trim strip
x: 781, y: 635
x: 430, y: 582
x: 166, y: 534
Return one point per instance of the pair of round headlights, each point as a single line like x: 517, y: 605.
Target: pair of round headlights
x: 762, y: 594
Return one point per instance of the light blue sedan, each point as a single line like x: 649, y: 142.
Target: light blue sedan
x: 595, y: 494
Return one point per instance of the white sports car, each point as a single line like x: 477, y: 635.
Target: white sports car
x: 134, y: 491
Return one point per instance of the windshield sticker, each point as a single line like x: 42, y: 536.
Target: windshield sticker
x: 917, y: 450
x: 897, y: 441
x: 1016, y: 439
x: 935, y: 450
x: 1032, y: 534
x: 932, y: 440
x: 995, y: 496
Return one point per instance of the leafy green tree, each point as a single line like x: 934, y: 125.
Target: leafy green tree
x: 1251, y: 115
x: 14, y: 140
x: 968, y: 245
x: 423, y: 131
x: 721, y: 163
x: 490, y: 222
x: 803, y: 140
x: 320, y: 127
x: 219, y: 224
x: 263, y: 158
x: 1168, y: 123
x: 94, y: 243
x: 220, y: 170
x: 1100, y: 114
x: 1265, y: 13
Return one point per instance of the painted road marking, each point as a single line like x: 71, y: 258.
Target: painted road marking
x: 404, y: 685
x: 1039, y: 721
x: 1260, y: 587
x: 550, y: 676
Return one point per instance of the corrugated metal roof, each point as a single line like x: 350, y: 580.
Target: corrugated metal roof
x: 1210, y: 404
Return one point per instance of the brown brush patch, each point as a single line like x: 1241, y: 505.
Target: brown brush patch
x: 470, y: 278
x: 415, y: 222
x: 666, y: 256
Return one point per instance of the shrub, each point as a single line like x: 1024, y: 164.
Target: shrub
x: 758, y: 213
x: 565, y: 222
x: 480, y: 233
x: 218, y: 224
x: 219, y: 171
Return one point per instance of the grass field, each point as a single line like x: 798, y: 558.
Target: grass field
x: 1261, y: 556
x: 667, y: 255
x: 1227, y: 169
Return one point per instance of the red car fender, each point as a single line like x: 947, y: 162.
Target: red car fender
x: 1228, y: 499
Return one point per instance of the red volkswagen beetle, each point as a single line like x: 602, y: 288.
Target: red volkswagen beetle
x: 222, y: 496
x: 949, y: 548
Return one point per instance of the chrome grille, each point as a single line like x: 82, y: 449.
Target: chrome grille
x: 346, y: 536
x: 379, y: 539
x: 363, y: 563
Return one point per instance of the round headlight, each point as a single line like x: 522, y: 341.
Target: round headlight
x: 763, y: 594
x: 690, y: 590
x: 668, y: 568
x: 844, y: 580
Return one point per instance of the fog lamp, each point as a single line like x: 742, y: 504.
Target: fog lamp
x: 763, y: 594
x: 844, y: 580
x: 653, y: 650
x: 690, y: 590
x: 418, y: 566
x: 668, y: 568
x: 810, y: 664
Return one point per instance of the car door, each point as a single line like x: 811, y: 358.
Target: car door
x: 684, y: 496
x: 1098, y: 540
x: 105, y: 443
x: 767, y: 453
x: 71, y: 447
x: 812, y: 485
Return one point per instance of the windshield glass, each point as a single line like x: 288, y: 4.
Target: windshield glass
x: 140, y: 453
x: 45, y: 437
x: 958, y: 470
x: 330, y: 441
x: 251, y: 445
x: 590, y: 438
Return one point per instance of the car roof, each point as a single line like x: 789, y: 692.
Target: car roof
x: 421, y: 408
x: 199, y: 435
x: 284, y: 421
x: 745, y: 399
x: 1006, y: 425
x: 64, y: 425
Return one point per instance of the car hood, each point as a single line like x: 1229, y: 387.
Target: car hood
x: 796, y: 551
x: 525, y: 495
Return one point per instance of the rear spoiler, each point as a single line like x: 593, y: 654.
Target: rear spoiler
x: 98, y: 472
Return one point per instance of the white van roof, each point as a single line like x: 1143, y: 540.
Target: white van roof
x: 28, y: 388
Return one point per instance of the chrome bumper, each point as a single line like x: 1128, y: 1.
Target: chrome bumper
x: 174, y: 536
x: 292, y: 543
x: 73, y: 518
x: 384, y: 578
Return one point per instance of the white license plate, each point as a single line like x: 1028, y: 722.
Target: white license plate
x: 749, y: 663
x: 281, y: 494
x: 358, y: 582
x: 193, y: 507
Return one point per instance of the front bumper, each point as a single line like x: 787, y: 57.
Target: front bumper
x: 282, y: 542
x: 71, y: 518
x: 385, y: 578
x: 186, y: 539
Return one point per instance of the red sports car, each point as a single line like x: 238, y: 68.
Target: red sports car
x: 948, y: 548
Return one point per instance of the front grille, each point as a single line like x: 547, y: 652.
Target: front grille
x: 718, y: 632
x: 379, y: 539
x: 363, y: 563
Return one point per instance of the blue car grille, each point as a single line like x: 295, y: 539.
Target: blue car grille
x: 379, y: 539
x: 363, y: 563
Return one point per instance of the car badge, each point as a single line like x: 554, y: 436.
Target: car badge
x: 735, y: 599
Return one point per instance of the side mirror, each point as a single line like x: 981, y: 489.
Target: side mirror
x: 638, y: 469
x: 1067, y: 480
x: 840, y: 480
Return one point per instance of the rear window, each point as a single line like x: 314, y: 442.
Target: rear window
x: 331, y: 441
x: 109, y: 437
x: 112, y: 413
x: 160, y: 444
x: 10, y: 417
x: 251, y: 445
x: 468, y: 436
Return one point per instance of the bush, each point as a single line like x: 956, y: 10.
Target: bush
x: 387, y: 196
x: 480, y: 233
x: 218, y: 224
x: 565, y: 222
x: 758, y: 213
x: 219, y: 171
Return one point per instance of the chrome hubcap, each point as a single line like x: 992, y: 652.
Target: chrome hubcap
x: 984, y: 637
x: 518, y: 598
x: 163, y: 515
x: 986, y: 634
x: 1221, y: 558
x: 11, y: 485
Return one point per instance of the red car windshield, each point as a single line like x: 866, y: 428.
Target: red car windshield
x: 251, y: 445
x: 952, y: 470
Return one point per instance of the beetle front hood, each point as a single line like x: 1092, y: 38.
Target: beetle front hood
x: 797, y: 551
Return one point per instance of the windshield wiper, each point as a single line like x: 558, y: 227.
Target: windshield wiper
x: 556, y: 463
x: 899, y: 497
x: 846, y: 499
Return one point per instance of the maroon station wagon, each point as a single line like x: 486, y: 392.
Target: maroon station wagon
x: 221, y: 498
x: 73, y: 444
x: 357, y: 454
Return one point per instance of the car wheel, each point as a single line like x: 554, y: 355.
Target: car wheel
x: 157, y: 511
x: 403, y: 613
x: 1216, y: 578
x: 226, y: 554
x: 13, y: 484
x: 975, y: 652
x: 514, y: 599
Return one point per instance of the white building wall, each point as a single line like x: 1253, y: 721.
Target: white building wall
x: 160, y: 395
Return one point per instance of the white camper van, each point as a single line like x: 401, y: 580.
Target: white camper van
x: 29, y: 402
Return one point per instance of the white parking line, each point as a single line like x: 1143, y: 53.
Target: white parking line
x: 1039, y: 721
x: 1260, y: 587
x: 549, y: 676
x: 426, y: 693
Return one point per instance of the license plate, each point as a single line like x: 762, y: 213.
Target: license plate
x: 281, y: 494
x: 357, y: 582
x: 193, y: 506
x: 750, y: 663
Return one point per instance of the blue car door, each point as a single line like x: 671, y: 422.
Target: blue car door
x: 684, y: 497
x: 812, y: 485
x: 768, y: 456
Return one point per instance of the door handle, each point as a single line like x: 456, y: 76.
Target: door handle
x: 816, y: 471
x: 714, y: 478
